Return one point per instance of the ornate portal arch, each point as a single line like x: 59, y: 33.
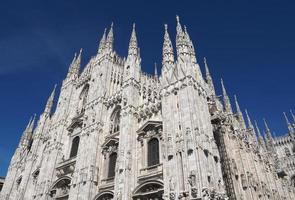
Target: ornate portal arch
x: 60, y: 188
x: 149, y: 190
x: 106, y: 195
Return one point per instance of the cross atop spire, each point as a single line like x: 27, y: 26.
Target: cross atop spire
x: 226, y: 100
x: 133, y: 47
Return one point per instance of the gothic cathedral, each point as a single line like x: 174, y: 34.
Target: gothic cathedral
x: 119, y: 133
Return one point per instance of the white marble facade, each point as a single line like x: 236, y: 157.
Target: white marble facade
x: 118, y: 133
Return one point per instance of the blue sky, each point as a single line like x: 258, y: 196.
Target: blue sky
x: 250, y: 44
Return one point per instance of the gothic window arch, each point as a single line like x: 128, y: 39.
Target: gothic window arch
x: 112, y: 164
x: 108, y: 195
x: 115, y: 120
x: 153, y: 152
x: 75, y: 147
x: 83, y: 99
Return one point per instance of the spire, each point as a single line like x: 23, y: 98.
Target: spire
x: 208, y: 77
x: 110, y: 39
x: 32, y: 124
x: 75, y: 65
x: 290, y: 127
x: 260, y: 137
x: 168, y: 55
x: 178, y: 26
x: 190, y: 46
x: 250, y: 125
x: 251, y: 128
x: 239, y: 113
x: 156, y: 70
x: 181, y: 42
x: 267, y: 130
x: 133, y: 47
x: 102, y: 42
x: 78, y: 60
x: 292, y: 116
x: 50, y: 101
x: 27, y: 134
x: 227, y: 105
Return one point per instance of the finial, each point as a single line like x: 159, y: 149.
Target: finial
x: 258, y: 131
x: 237, y: 103
x: 265, y: 124
x: 133, y: 25
x: 292, y: 115
x: 166, y: 27
x: 112, y: 24
x: 205, y: 60
x: 177, y: 18
x: 290, y: 127
x: 156, y: 70
x: 81, y: 50
x: 286, y: 118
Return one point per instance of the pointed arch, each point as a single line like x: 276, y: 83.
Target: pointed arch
x: 83, y: 98
x: 115, y: 120
x: 75, y: 146
x: 106, y: 195
x: 60, y: 188
x: 149, y: 190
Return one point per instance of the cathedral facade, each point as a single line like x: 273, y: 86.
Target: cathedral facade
x: 119, y: 133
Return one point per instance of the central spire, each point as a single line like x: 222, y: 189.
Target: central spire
x: 133, y: 46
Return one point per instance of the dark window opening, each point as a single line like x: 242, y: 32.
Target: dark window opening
x: 75, y: 146
x: 153, y: 152
x: 112, y: 165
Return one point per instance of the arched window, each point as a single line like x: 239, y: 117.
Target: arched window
x: 112, y: 165
x: 115, y: 120
x: 83, y: 98
x: 153, y: 152
x: 75, y: 146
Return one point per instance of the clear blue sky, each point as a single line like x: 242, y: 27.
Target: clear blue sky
x: 250, y: 44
